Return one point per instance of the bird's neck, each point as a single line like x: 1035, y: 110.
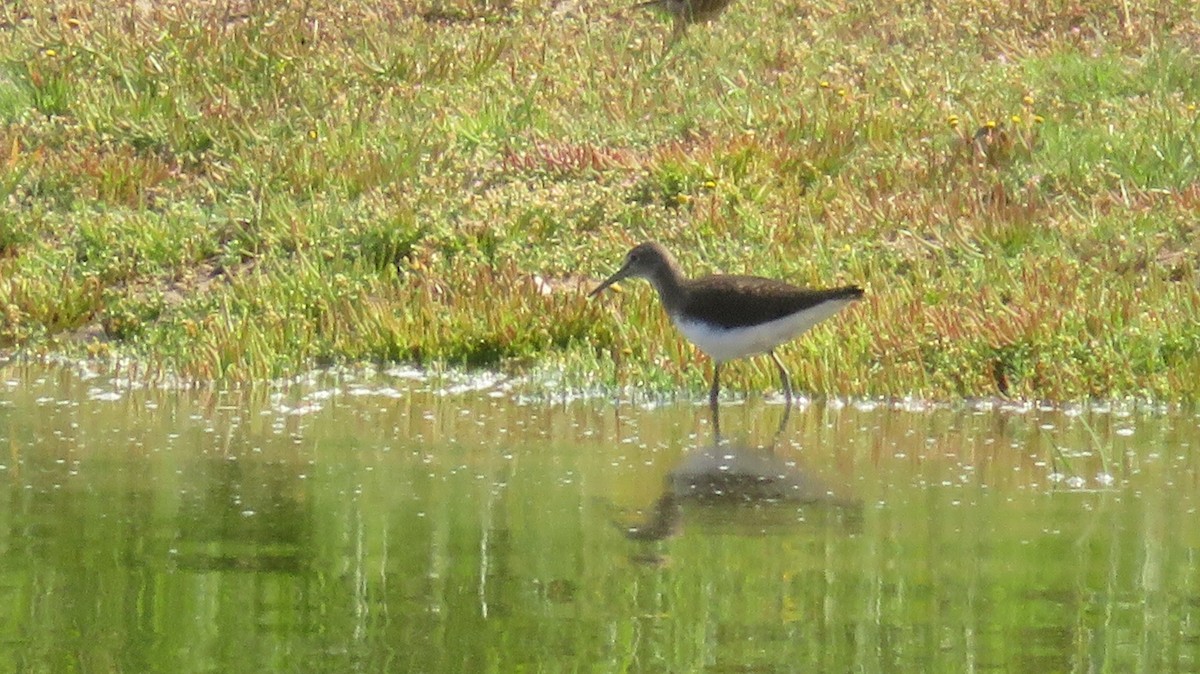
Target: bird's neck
x: 671, y: 287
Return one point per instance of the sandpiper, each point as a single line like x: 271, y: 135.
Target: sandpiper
x: 729, y: 317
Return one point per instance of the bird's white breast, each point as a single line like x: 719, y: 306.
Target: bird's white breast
x: 722, y: 344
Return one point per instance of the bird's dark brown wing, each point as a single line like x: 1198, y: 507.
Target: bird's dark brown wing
x: 738, y: 301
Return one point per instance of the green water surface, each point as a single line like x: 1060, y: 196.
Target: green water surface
x: 389, y: 523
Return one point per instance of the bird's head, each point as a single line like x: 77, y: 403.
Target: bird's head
x: 645, y: 260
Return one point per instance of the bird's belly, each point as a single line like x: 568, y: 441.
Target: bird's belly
x: 722, y: 344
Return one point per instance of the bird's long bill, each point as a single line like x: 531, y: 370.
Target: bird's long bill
x: 621, y: 273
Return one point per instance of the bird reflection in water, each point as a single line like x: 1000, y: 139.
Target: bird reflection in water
x: 729, y: 485
x: 244, y: 515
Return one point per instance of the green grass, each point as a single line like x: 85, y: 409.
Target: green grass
x: 245, y: 196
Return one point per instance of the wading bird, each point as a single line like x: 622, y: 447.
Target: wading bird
x: 729, y: 317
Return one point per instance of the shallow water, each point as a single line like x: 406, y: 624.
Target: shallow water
x: 386, y: 523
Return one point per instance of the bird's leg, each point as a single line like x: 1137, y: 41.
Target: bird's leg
x: 787, y: 380
x: 716, y: 386
x: 677, y: 30
x: 680, y: 25
x: 716, y: 425
x: 787, y: 413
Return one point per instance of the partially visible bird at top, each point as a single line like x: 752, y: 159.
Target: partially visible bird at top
x: 686, y: 12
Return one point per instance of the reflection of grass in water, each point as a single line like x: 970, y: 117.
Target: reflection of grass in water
x: 1104, y: 450
x: 424, y: 536
x: 246, y: 195
x: 14, y: 454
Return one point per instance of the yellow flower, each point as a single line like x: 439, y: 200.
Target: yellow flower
x: 841, y: 92
x: 710, y: 184
x: 824, y: 84
x: 1038, y: 119
x: 952, y: 120
x: 991, y: 124
x: 51, y: 53
x: 1016, y: 119
x: 1028, y: 100
x: 312, y: 134
x: 682, y: 198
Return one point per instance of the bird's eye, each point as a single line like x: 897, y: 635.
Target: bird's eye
x: 633, y: 257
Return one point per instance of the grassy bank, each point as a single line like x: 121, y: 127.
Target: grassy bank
x: 230, y: 194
